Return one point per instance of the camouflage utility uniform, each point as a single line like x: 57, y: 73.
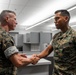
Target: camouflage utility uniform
x: 6, y: 41
x: 64, y: 46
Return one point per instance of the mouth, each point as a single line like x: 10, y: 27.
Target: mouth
x: 14, y: 25
x: 56, y: 25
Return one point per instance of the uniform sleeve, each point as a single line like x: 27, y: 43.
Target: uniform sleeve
x: 8, y: 46
x: 10, y: 51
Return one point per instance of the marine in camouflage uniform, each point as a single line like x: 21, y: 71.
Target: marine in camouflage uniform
x: 64, y: 46
x: 6, y: 67
x: 9, y: 54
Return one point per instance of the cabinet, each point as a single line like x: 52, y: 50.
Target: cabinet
x: 31, y: 43
x: 32, y: 37
x: 19, y: 40
x: 45, y: 38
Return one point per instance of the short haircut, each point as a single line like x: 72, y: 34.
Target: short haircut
x: 63, y: 13
x: 5, y: 13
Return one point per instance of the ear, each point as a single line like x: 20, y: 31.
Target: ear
x: 66, y: 18
x: 6, y: 18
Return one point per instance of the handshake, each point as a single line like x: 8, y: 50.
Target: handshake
x: 34, y: 58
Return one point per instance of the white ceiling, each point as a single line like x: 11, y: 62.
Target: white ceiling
x: 31, y: 12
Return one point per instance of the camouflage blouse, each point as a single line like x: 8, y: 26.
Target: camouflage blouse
x: 6, y: 67
x: 64, y: 46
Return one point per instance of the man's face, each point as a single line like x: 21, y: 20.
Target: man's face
x: 60, y: 21
x: 11, y: 21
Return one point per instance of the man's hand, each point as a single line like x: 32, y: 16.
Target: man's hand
x: 34, y: 58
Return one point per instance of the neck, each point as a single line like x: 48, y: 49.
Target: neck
x: 64, y: 29
x: 5, y: 27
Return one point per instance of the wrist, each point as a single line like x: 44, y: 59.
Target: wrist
x: 39, y: 56
x: 29, y: 60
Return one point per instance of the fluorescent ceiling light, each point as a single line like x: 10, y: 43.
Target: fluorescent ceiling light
x: 72, y: 8
x: 56, y: 5
x: 36, y: 18
x: 39, y: 23
x: 72, y: 20
x: 48, y: 10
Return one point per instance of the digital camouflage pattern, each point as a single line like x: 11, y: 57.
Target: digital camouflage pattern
x: 64, y: 46
x: 6, y: 67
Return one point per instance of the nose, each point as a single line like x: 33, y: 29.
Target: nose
x: 55, y: 22
x: 16, y: 23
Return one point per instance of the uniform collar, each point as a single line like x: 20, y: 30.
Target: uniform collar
x: 66, y: 33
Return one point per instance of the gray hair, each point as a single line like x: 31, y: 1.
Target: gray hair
x: 5, y: 13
